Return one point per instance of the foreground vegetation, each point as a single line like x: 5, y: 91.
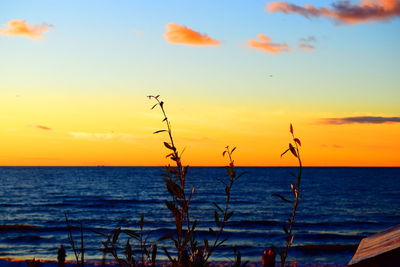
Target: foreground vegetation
x: 188, y: 249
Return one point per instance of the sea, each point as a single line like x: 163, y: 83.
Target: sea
x: 339, y: 206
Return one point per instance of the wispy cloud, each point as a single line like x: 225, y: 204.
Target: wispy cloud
x: 361, y: 119
x: 127, y: 137
x: 309, y: 39
x: 307, y: 44
x: 332, y: 146
x: 343, y: 11
x: 179, y: 34
x: 264, y: 44
x: 22, y: 28
x: 137, y: 32
x: 41, y: 127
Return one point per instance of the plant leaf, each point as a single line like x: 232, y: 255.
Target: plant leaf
x: 99, y: 233
x: 293, y: 150
x: 218, y: 207
x: 292, y: 187
x: 291, y: 128
x: 216, y: 217
x: 285, y: 229
x: 131, y: 233
x: 229, y: 215
x: 164, y: 237
x: 169, y: 146
x: 206, y: 244
x: 211, y: 231
x: 116, y: 235
x: 174, y: 189
x: 281, y: 197
x: 141, y: 221
x: 128, y: 250
x: 223, y: 153
x: 285, y: 152
x: 222, y: 241
x: 154, y: 255
x: 233, y: 150
x: 159, y: 131
x: 168, y: 255
x: 155, y: 105
x: 297, y: 140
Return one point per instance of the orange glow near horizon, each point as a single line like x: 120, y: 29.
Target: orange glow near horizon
x: 124, y: 136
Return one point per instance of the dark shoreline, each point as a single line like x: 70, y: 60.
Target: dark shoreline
x: 9, y: 262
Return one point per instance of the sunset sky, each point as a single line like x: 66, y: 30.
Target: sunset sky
x: 74, y: 76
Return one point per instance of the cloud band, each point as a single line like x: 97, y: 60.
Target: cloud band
x: 343, y: 11
x: 361, y: 119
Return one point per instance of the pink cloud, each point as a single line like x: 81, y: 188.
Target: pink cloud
x: 22, y: 28
x: 332, y: 146
x: 306, y: 44
x: 343, y: 11
x: 41, y: 127
x: 265, y: 45
x: 179, y: 34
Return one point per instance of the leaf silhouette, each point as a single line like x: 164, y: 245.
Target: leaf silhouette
x: 159, y: 131
x: 211, y: 231
x: 281, y: 197
x: 165, y: 236
x: 116, y: 235
x: 291, y: 128
x: 218, y: 207
x: 216, y: 217
x: 297, y: 140
x: 293, y: 150
x: 131, y: 233
x: 229, y: 215
x: 169, y: 146
x: 285, y: 229
x: 285, y: 152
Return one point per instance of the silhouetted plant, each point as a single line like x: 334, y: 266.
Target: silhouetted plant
x: 190, y: 252
x: 175, y: 181
x: 222, y: 215
x: 238, y: 259
x: 146, y: 255
x: 288, y: 228
x: 79, y: 253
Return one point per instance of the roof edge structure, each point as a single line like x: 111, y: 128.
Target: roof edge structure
x: 381, y: 248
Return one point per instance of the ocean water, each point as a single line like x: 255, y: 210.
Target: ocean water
x: 339, y: 207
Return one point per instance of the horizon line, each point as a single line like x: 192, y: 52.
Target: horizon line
x: 204, y: 166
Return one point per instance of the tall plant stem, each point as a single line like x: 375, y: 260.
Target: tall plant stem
x: 296, y: 190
